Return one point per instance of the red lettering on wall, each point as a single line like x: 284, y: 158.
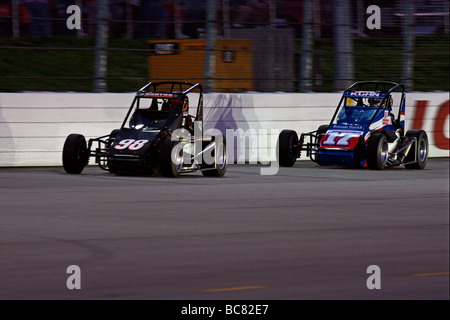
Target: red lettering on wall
x: 441, y: 141
x: 421, y: 106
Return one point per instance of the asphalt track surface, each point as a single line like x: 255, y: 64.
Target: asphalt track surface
x: 308, y: 232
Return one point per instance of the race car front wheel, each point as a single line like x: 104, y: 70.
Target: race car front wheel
x: 75, y: 154
x: 287, y: 148
x: 321, y: 131
x: 377, y: 151
x: 111, y: 138
x: 417, y: 156
x: 219, y: 167
x: 171, y: 158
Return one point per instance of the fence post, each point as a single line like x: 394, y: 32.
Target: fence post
x: 210, y: 57
x: 101, y: 47
x: 226, y: 18
x: 15, y: 19
x: 306, y: 58
x: 177, y: 19
x: 79, y: 32
x: 408, y: 43
x: 343, y: 45
x: 446, y: 18
x: 272, y: 13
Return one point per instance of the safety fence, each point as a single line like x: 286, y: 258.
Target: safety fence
x: 270, y: 46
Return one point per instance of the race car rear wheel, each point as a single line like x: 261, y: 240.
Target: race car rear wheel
x: 171, y: 158
x: 418, y: 151
x: 377, y: 151
x: 219, y: 167
x: 75, y: 154
x: 287, y: 148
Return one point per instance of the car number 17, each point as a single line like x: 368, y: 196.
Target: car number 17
x: 340, y: 138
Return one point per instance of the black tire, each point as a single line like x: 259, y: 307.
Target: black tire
x: 75, y: 154
x: 377, y: 151
x: 170, y: 167
x: 219, y: 167
x: 418, y: 154
x: 287, y: 148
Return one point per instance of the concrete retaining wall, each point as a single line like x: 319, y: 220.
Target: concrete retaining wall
x: 33, y: 126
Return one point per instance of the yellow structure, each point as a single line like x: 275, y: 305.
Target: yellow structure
x: 183, y: 60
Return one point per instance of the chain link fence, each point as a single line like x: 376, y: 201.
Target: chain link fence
x: 229, y: 45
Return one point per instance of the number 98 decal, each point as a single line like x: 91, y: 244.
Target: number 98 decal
x: 130, y: 144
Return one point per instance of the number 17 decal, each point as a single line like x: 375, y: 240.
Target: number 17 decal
x: 340, y: 138
x: 130, y: 144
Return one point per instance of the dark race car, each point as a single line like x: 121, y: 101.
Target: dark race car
x: 366, y: 130
x: 158, y: 136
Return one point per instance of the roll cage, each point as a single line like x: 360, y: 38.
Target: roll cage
x: 367, y: 90
x: 165, y: 91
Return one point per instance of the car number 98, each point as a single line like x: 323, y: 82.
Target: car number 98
x: 130, y: 144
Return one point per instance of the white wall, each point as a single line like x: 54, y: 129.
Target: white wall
x: 302, y: 112
x: 33, y: 126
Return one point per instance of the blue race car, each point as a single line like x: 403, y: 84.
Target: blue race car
x: 366, y: 130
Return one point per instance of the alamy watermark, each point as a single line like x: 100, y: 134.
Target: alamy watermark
x: 374, y: 280
x: 374, y: 20
x: 74, y: 280
x: 74, y: 20
x: 249, y: 146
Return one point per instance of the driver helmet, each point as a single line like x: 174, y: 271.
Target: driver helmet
x: 174, y: 102
x: 375, y: 102
x: 186, y: 104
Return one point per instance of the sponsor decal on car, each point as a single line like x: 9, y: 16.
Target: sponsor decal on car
x: 365, y: 94
x: 385, y: 119
x: 340, y: 139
